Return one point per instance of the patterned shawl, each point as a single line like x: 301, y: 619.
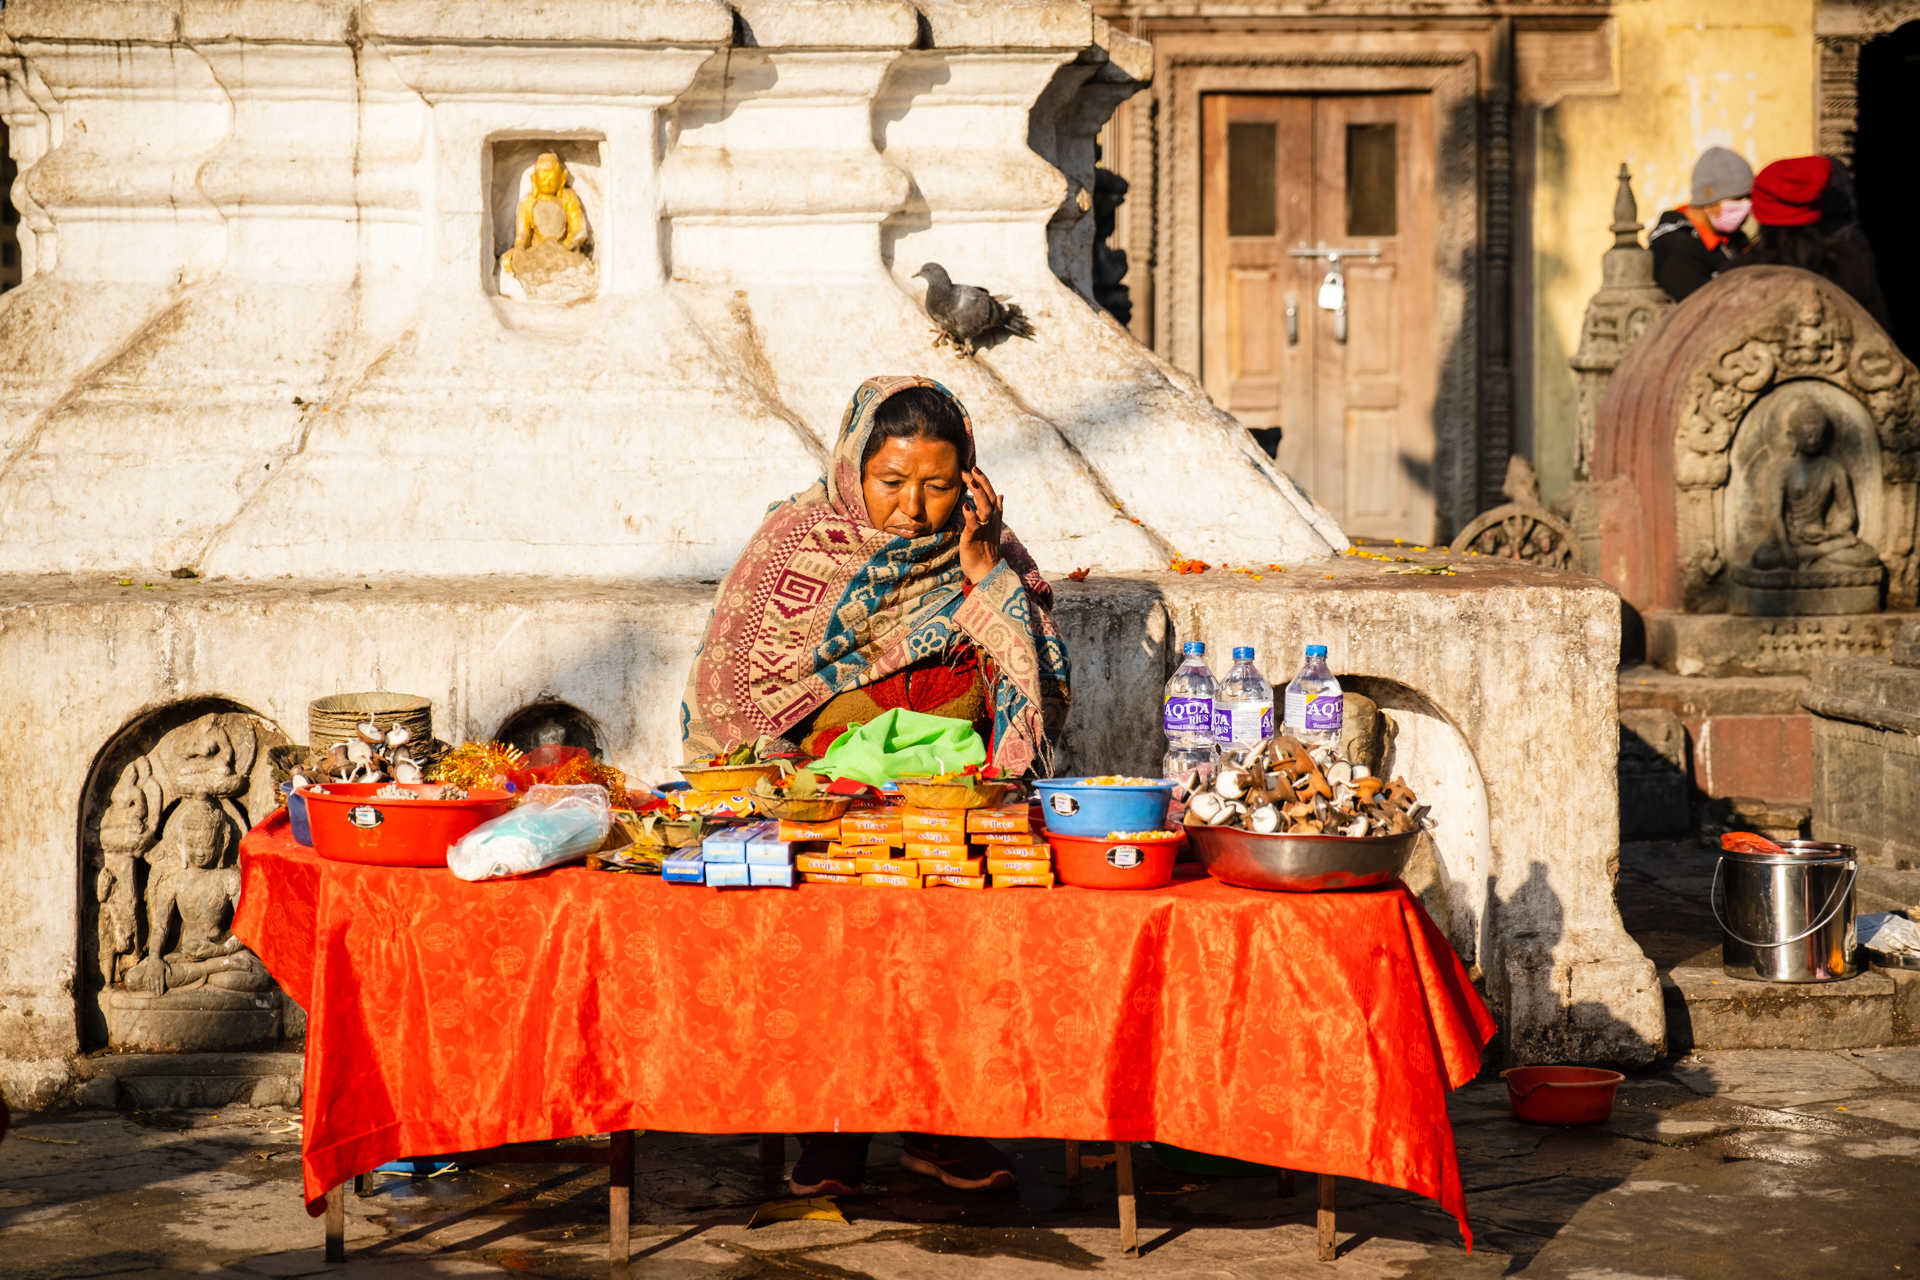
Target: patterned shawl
x: 822, y: 602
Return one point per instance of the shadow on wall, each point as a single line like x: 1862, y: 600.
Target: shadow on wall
x: 1559, y: 1026
x: 1454, y: 859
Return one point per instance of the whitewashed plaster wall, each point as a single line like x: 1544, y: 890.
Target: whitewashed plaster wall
x: 262, y: 336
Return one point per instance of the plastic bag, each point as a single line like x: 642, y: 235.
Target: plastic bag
x: 902, y: 744
x: 552, y: 825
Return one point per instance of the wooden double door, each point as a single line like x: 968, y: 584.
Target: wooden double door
x: 1337, y: 353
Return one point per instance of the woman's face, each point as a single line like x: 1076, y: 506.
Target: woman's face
x: 912, y: 486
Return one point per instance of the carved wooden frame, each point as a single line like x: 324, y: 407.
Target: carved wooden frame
x: 1452, y: 77
x: 1840, y: 30
x: 1805, y: 336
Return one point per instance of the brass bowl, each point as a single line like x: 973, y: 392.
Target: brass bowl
x: 1300, y: 864
x: 811, y: 809
x: 728, y: 777
x: 924, y: 794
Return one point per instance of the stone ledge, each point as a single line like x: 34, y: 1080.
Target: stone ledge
x: 1708, y: 1010
x: 1692, y: 697
x: 1720, y: 644
x: 126, y: 1066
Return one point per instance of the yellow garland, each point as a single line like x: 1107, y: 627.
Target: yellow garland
x: 475, y: 764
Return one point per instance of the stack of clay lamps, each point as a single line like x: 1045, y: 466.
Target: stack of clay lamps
x: 1282, y: 788
x: 373, y: 754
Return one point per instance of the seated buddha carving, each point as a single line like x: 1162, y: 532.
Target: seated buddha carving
x: 195, y: 883
x: 548, y: 228
x: 1810, y: 509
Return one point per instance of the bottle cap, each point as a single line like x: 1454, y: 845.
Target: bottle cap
x: 1243, y: 653
x: 1194, y: 648
x: 1316, y: 651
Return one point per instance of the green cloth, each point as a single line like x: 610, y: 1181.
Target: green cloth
x: 902, y: 744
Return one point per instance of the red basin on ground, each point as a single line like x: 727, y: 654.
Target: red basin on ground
x: 1561, y: 1095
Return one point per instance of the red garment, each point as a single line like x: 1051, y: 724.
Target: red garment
x: 1787, y: 192
x: 1312, y: 1031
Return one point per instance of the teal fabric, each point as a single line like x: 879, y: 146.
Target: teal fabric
x: 902, y: 744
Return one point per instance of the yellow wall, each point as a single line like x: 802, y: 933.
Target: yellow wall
x: 1692, y: 74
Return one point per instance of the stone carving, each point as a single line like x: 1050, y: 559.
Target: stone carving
x: 1805, y: 349
x: 1522, y: 529
x: 1627, y: 303
x: 167, y: 880
x: 548, y: 259
x: 1813, y: 560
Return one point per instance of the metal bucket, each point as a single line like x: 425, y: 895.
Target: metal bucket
x: 1789, y: 916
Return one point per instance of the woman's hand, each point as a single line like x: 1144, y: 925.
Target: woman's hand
x: 980, y: 536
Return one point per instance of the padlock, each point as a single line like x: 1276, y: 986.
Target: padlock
x: 1333, y: 292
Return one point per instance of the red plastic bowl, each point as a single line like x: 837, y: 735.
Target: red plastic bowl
x: 1095, y: 862
x: 1564, y: 1096
x: 349, y: 825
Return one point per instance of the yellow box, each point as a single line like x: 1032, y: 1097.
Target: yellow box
x: 881, y: 881
x: 1015, y: 839
x: 878, y: 821
x: 1018, y: 866
x: 1008, y: 819
x: 875, y: 839
x: 887, y: 866
x: 821, y: 877
x: 954, y: 820
x: 1035, y: 880
x: 951, y: 866
x: 827, y: 865
x: 957, y: 882
x: 791, y: 831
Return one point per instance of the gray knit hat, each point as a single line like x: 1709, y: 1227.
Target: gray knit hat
x: 1719, y: 174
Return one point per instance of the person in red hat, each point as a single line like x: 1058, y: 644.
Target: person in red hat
x: 1805, y: 210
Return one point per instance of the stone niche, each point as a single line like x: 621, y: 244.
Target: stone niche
x: 1696, y: 477
x: 544, y: 219
x: 167, y: 802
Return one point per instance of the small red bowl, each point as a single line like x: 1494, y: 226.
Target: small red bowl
x: 1565, y: 1096
x: 349, y: 825
x: 1095, y: 862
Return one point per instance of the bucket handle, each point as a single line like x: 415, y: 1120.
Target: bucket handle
x: 1834, y: 903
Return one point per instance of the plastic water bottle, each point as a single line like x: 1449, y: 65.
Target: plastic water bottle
x: 1186, y: 714
x: 1243, y: 709
x: 1313, y: 702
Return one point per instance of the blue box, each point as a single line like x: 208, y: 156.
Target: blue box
x: 770, y: 875
x: 729, y: 844
x: 683, y: 866
x: 727, y: 875
x: 767, y: 849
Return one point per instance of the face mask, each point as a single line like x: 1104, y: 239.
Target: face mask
x: 1732, y: 216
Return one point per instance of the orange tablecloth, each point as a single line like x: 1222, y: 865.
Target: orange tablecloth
x: 1317, y: 1032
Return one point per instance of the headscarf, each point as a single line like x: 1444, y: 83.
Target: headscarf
x: 1787, y: 193
x: 822, y: 602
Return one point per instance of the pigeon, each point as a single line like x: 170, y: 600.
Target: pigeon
x: 965, y: 314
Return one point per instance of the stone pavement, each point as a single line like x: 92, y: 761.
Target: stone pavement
x: 1750, y: 1164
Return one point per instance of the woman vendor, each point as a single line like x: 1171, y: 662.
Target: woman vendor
x: 891, y: 583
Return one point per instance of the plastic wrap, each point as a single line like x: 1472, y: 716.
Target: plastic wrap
x: 552, y: 825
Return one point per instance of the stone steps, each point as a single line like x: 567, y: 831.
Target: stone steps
x: 1706, y: 1009
x: 176, y: 1081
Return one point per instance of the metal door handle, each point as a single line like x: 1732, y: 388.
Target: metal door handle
x: 1293, y: 321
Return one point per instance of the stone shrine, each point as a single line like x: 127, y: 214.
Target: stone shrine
x: 1754, y: 475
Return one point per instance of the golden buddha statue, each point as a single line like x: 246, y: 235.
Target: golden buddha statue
x: 549, y: 227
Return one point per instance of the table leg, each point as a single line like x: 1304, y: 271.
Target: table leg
x: 1073, y: 1166
x: 773, y: 1148
x: 1129, y: 1223
x: 1284, y: 1184
x: 619, y: 1202
x: 337, y: 1223
x: 1327, y: 1247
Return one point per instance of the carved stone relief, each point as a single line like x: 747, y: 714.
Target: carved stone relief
x: 545, y: 200
x: 1803, y: 337
x: 161, y: 834
x: 1521, y: 529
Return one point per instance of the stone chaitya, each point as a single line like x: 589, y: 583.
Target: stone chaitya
x: 163, y: 846
x: 1758, y: 455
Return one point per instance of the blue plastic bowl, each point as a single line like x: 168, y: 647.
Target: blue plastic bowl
x: 297, y: 815
x: 1073, y: 807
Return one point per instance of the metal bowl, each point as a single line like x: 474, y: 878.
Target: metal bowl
x: 1300, y: 864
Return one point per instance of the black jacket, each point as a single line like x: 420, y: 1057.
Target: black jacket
x: 1681, y: 260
